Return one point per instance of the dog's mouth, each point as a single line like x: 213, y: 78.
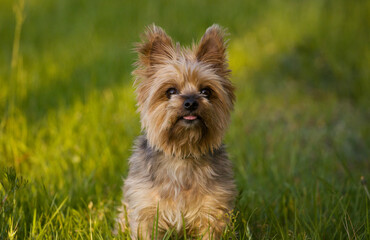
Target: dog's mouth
x: 190, y: 117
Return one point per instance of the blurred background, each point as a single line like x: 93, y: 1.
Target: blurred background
x: 299, y: 137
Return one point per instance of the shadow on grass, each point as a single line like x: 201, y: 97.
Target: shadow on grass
x: 58, y: 92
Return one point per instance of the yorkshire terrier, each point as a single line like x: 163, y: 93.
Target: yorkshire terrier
x: 180, y: 177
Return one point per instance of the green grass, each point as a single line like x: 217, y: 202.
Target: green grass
x: 299, y: 138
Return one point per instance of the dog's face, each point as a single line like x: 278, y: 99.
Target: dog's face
x: 184, y: 95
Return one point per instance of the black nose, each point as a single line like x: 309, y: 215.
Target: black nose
x: 190, y: 104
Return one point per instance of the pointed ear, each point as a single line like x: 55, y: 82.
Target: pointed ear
x: 212, y: 49
x: 156, y: 47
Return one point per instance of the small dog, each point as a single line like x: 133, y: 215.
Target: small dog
x: 180, y: 177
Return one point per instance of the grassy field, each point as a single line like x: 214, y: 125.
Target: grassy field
x: 299, y: 138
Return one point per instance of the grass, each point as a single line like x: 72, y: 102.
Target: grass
x: 299, y: 137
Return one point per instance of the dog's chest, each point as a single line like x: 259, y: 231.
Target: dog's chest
x: 175, y: 179
x: 182, y: 187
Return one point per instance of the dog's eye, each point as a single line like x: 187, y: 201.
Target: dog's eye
x: 170, y: 92
x: 206, y: 92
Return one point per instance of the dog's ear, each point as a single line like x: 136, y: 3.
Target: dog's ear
x: 212, y: 49
x: 156, y: 47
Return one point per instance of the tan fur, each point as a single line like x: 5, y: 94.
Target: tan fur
x: 180, y: 174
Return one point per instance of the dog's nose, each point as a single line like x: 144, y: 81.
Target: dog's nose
x: 191, y: 104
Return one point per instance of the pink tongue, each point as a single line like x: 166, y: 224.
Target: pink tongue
x: 190, y: 117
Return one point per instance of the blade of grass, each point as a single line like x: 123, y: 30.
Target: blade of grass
x: 183, y: 225
x: 51, y: 219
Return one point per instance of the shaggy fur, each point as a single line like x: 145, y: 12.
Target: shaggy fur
x: 180, y: 175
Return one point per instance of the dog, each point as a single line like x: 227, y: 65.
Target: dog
x: 180, y: 177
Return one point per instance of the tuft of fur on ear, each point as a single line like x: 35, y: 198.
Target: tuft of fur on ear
x: 156, y: 47
x: 212, y: 50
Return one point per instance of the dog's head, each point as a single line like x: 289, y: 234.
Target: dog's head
x: 184, y: 94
